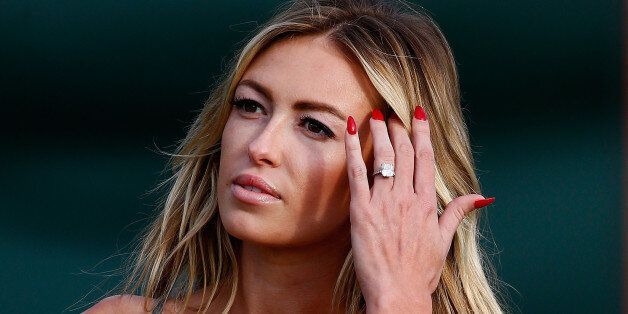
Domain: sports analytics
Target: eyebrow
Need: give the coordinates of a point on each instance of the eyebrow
(299, 105)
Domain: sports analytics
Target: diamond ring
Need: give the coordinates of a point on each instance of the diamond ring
(386, 170)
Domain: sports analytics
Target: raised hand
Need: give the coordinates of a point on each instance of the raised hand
(399, 242)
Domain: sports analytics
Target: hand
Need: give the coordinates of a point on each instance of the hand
(399, 242)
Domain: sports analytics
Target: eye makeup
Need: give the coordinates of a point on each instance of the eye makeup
(315, 127)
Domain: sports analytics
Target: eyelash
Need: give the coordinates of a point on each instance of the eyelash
(239, 103)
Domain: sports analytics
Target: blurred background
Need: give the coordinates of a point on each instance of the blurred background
(90, 89)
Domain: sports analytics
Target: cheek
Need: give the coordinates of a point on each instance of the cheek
(233, 140)
(325, 187)
(230, 148)
(229, 134)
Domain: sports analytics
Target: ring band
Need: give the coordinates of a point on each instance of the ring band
(385, 170)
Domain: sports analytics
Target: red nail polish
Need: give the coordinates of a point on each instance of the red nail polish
(419, 113)
(351, 128)
(377, 115)
(484, 202)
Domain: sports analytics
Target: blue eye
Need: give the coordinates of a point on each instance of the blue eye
(309, 123)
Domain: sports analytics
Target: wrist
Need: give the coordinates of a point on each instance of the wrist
(400, 303)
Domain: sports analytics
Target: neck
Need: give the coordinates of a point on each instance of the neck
(289, 280)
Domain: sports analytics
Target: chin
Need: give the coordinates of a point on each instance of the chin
(276, 225)
(270, 230)
(252, 227)
(263, 224)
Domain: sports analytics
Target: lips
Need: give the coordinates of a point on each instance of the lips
(250, 180)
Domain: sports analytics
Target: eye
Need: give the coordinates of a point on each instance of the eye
(247, 105)
(312, 125)
(319, 129)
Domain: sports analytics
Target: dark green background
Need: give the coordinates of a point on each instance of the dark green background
(88, 89)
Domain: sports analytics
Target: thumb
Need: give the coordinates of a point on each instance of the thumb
(456, 210)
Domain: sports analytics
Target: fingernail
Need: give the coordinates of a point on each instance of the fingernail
(377, 115)
(351, 125)
(419, 113)
(485, 202)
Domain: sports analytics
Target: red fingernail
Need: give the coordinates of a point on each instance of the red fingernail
(377, 115)
(351, 128)
(419, 113)
(484, 202)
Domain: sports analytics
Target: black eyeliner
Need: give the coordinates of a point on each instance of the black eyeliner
(326, 130)
(241, 101)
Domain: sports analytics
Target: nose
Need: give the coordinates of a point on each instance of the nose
(266, 147)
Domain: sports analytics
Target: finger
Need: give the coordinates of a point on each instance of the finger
(382, 149)
(424, 165)
(404, 154)
(358, 180)
(455, 212)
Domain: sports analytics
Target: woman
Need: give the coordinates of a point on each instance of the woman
(275, 206)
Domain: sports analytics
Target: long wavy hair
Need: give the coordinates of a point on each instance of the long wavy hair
(186, 249)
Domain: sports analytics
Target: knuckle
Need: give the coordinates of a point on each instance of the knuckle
(358, 172)
(405, 149)
(406, 204)
(406, 190)
(425, 154)
(427, 207)
(387, 154)
(431, 209)
(425, 190)
(423, 129)
(358, 204)
(458, 212)
(371, 219)
(355, 149)
(364, 217)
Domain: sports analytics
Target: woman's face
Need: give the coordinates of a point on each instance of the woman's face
(280, 131)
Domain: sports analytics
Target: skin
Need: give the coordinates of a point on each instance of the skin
(305, 237)
(267, 139)
(292, 250)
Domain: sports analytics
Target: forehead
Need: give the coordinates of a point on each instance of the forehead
(312, 67)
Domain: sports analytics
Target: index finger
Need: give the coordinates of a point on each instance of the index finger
(358, 178)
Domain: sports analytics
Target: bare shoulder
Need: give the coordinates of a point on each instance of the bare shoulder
(119, 304)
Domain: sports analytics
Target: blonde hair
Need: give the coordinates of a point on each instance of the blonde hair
(409, 62)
